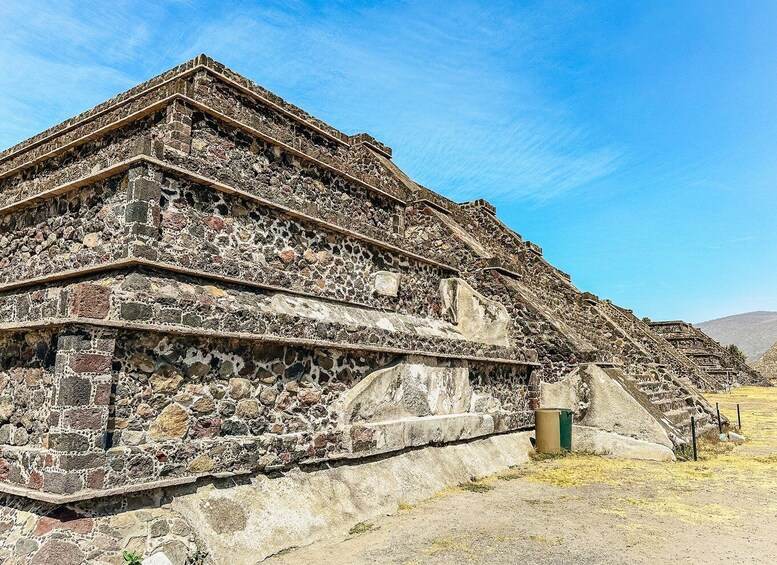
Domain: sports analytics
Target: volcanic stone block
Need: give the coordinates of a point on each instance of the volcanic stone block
(91, 301)
(68, 442)
(83, 461)
(132, 311)
(74, 391)
(84, 418)
(90, 363)
(137, 211)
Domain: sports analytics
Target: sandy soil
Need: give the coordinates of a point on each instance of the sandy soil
(587, 509)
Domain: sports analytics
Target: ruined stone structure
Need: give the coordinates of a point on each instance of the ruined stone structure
(199, 280)
(766, 365)
(723, 369)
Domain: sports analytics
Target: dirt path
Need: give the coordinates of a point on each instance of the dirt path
(583, 509)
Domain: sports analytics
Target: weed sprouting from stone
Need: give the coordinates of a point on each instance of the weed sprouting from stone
(362, 527)
(132, 558)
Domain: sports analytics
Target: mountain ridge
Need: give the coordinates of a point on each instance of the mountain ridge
(753, 332)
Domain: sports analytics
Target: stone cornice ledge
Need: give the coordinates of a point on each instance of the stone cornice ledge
(201, 62)
(122, 166)
(269, 338)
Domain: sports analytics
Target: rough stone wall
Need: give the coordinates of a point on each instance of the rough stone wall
(96, 531)
(75, 230)
(273, 405)
(230, 388)
(248, 260)
(661, 350)
(226, 99)
(26, 376)
(107, 151)
(516, 393)
(71, 455)
(212, 231)
(165, 302)
(229, 155)
(530, 330)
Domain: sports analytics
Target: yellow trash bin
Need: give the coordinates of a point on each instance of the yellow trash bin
(547, 430)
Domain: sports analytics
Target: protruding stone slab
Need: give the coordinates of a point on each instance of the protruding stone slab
(599, 401)
(387, 283)
(477, 317)
(408, 390)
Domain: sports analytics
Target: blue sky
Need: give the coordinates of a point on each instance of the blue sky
(636, 142)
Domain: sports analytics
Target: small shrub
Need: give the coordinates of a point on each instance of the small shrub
(537, 456)
(683, 452)
(475, 487)
(132, 558)
(737, 353)
(362, 527)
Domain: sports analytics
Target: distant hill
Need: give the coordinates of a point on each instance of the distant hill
(752, 332)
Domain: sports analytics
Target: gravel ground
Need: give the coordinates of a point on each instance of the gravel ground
(587, 509)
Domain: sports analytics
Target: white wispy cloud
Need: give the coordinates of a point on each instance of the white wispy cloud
(457, 89)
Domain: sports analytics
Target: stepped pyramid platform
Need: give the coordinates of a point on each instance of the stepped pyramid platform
(200, 282)
(723, 369)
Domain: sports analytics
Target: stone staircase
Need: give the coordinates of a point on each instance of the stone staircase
(673, 400)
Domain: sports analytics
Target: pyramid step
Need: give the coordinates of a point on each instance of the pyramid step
(649, 385)
(679, 416)
(673, 403)
(660, 394)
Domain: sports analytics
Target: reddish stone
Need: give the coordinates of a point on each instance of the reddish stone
(155, 216)
(95, 479)
(287, 255)
(84, 418)
(36, 480)
(309, 397)
(362, 438)
(102, 394)
(63, 519)
(90, 363)
(91, 301)
(214, 222)
(4, 469)
(320, 441)
(205, 427)
(174, 220)
(59, 552)
(218, 152)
